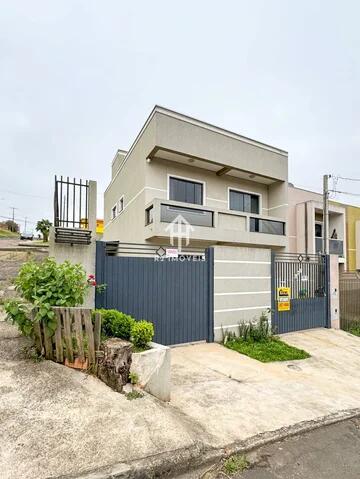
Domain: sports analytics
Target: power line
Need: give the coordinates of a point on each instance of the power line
(25, 194)
(345, 193)
(347, 179)
(17, 219)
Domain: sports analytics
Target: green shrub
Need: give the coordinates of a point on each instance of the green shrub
(48, 284)
(20, 315)
(142, 333)
(116, 324)
(252, 332)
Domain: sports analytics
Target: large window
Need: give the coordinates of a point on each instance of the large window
(186, 191)
(241, 201)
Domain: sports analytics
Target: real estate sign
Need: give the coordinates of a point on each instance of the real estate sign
(283, 298)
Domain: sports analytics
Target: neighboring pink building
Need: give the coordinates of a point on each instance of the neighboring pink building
(305, 224)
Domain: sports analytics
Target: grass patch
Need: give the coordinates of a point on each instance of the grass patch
(8, 234)
(235, 464)
(355, 330)
(272, 349)
(133, 395)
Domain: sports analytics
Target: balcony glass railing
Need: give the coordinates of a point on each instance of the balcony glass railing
(196, 217)
(258, 225)
(335, 246)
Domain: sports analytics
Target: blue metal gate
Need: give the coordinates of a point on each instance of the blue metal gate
(176, 296)
(308, 279)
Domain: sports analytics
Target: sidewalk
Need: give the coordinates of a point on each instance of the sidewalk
(57, 422)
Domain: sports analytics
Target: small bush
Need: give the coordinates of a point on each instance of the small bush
(142, 333)
(116, 324)
(252, 332)
(45, 285)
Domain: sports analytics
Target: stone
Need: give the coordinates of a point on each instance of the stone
(114, 367)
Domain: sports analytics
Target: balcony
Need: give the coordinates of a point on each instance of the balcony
(335, 246)
(213, 225)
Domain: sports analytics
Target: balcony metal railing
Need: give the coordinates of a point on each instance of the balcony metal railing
(335, 246)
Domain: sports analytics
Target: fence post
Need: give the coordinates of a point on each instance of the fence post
(100, 298)
(332, 282)
(209, 255)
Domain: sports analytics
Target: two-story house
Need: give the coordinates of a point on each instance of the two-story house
(231, 189)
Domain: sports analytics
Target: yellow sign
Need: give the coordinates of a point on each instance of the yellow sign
(283, 299)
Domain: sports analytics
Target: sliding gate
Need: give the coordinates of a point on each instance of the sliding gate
(307, 277)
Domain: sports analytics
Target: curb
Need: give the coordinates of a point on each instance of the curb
(182, 460)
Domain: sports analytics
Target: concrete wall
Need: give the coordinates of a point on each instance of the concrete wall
(129, 182)
(183, 134)
(353, 237)
(153, 368)
(242, 286)
(82, 254)
(334, 292)
(117, 162)
(216, 188)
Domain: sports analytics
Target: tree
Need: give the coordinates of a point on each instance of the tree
(44, 227)
(12, 226)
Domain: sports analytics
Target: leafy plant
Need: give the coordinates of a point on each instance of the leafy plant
(48, 284)
(116, 324)
(19, 314)
(44, 227)
(252, 331)
(142, 333)
(134, 378)
(134, 395)
(236, 463)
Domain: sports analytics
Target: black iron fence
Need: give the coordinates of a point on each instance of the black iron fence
(71, 203)
(308, 279)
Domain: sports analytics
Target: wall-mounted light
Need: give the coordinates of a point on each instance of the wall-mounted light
(191, 160)
(251, 176)
(148, 160)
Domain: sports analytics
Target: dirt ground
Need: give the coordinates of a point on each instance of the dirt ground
(12, 257)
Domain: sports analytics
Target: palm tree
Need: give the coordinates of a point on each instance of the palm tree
(44, 227)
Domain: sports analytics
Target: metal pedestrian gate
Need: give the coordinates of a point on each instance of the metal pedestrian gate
(175, 295)
(300, 285)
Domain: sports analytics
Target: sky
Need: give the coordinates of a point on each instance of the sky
(78, 79)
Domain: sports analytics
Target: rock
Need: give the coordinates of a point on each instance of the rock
(2, 294)
(11, 288)
(127, 388)
(114, 367)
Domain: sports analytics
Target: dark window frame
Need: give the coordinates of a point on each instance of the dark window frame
(247, 197)
(184, 181)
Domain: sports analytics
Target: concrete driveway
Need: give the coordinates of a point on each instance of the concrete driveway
(57, 422)
(233, 398)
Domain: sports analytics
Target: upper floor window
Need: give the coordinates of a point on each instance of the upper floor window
(121, 204)
(113, 212)
(186, 191)
(242, 201)
(318, 230)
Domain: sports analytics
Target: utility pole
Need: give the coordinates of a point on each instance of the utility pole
(25, 224)
(326, 214)
(13, 212)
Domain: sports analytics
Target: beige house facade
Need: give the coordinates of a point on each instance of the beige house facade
(232, 190)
